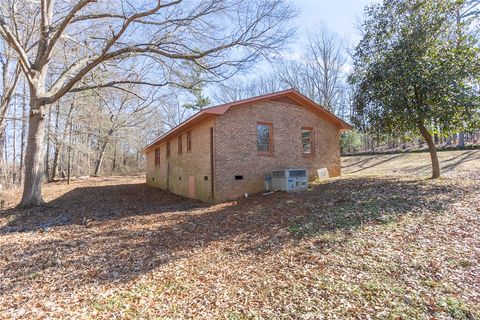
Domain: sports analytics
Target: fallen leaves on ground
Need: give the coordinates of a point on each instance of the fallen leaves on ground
(358, 247)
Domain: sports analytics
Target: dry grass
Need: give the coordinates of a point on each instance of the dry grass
(358, 247)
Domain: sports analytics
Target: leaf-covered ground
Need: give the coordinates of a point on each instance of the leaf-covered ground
(454, 164)
(358, 247)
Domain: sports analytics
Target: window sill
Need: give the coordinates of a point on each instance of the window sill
(265, 154)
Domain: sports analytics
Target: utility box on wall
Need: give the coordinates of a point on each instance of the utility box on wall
(290, 180)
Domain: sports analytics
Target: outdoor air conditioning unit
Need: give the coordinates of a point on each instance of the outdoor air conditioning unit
(290, 180)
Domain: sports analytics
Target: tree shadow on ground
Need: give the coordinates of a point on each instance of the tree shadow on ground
(84, 205)
(450, 165)
(122, 240)
(363, 163)
(455, 161)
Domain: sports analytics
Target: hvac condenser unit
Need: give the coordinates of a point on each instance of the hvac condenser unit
(290, 180)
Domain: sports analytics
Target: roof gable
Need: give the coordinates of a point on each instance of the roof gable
(289, 96)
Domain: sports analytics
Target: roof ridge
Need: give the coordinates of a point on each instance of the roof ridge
(222, 108)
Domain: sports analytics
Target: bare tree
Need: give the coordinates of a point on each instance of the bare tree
(9, 79)
(320, 72)
(172, 109)
(93, 34)
(327, 59)
(59, 139)
(123, 111)
(231, 90)
(298, 74)
(11, 74)
(23, 131)
(14, 142)
(238, 88)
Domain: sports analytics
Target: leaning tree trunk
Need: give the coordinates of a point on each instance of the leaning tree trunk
(433, 150)
(59, 145)
(114, 162)
(98, 163)
(101, 155)
(32, 188)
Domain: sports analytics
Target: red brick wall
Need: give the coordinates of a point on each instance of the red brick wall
(235, 136)
(195, 163)
(236, 146)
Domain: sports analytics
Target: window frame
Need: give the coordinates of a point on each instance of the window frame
(189, 141)
(312, 142)
(271, 148)
(157, 154)
(180, 145)
(167, 153)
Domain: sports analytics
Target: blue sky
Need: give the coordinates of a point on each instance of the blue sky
(337, 15)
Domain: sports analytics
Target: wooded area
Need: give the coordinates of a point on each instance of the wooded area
(64, 48)
(86, 134)
(85, 85)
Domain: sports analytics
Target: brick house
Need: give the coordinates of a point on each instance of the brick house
(225, 151)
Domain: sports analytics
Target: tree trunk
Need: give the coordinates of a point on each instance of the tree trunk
(24, 127)
(14, 144)
(69, 163)
(114, 162)
(433, 150)
(365, 142)
(102, 151)
(72, 151)
(59, 144)
(32, 187)
(461, 139)
(3, 162)
(138, 160)
(3, 137)
(99, 161)
(89, 169)
(56, 154)
(47, 156)
(56, 151)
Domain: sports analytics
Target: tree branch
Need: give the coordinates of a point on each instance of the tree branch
(63, 25)
(13, 41)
